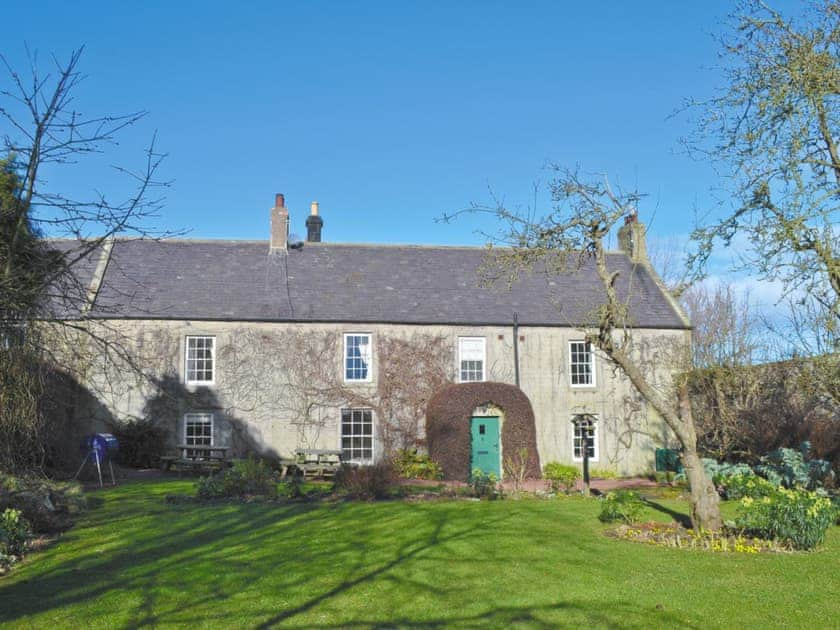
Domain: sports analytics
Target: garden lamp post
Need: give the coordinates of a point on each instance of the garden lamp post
(584, 422)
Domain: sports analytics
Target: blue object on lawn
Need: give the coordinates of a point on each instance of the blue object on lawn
(99, 448)
(104, 444)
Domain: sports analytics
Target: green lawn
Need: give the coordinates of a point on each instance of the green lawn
(133, 560)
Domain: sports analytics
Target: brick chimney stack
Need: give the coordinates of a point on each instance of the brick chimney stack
(631, 238)
(314, 223)
(279, 224)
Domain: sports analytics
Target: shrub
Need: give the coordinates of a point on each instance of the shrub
(14, 531)
(256, 476)
(621, 505)
(142, 442)
(47, 505)
(516, 468)
(484, 485)
(561, 476)
(413, 465)
(248, 477)
(366, 483)
(291, 487)
(796, 517)
(739, 486)
(717, 471)
(787, 467)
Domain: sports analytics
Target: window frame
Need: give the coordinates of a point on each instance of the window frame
(342, 436)
(369, 376)
(593, 421)
(209, 415)
(187, 380)
(591, 365)
(483, 341)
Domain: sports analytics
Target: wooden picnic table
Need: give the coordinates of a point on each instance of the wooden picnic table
(199, 451)
(312, 462)
(197, 457)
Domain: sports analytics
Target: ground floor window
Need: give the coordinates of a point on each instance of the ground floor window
(198, 429)
(357, 435)
(585, 426)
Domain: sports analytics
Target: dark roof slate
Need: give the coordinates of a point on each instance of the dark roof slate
(67, 295)
(242, 280)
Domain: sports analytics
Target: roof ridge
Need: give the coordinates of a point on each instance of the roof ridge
(330, 244)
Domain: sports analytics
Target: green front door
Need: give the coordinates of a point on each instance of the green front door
(485, 445)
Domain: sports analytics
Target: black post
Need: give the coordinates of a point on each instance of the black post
(584, 444)
(516, 347)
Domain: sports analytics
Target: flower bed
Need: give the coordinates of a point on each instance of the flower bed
(677, 537)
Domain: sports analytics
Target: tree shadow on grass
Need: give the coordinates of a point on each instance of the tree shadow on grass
(136, 561)
(683, 519)
(560, 614)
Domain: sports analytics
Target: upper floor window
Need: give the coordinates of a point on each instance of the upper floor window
(581, 364)
(357, 357)
(201, 360)
(471, 359)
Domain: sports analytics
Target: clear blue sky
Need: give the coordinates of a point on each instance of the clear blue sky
(387, 113)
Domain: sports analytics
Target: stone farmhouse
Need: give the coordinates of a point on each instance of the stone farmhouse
(275, 345)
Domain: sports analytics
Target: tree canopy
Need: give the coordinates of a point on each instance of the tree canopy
(774, 134)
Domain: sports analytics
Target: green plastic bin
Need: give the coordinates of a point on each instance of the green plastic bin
(668, 460)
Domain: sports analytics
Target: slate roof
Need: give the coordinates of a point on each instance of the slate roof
(327, 282)
(68, 294)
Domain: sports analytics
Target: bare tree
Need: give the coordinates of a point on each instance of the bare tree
(773, 133)
(572, 234)
(726, 331)
(667, 257)
(45, 285)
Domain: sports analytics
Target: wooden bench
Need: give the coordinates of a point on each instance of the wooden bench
(312, 463)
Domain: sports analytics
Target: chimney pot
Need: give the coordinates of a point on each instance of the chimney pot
(314, 223)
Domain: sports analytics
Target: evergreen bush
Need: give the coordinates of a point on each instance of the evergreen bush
(788, 467)
(561, 476)
(413, 465)
(142, 442)
(14, 532)
(621, 505)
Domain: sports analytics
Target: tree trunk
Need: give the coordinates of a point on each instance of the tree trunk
(705, 508)
(705, 502)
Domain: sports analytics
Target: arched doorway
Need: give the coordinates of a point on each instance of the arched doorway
(480, 425)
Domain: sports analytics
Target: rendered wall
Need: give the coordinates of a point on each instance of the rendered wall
(628, 431)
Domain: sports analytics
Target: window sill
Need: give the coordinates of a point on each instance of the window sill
(193, 385)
